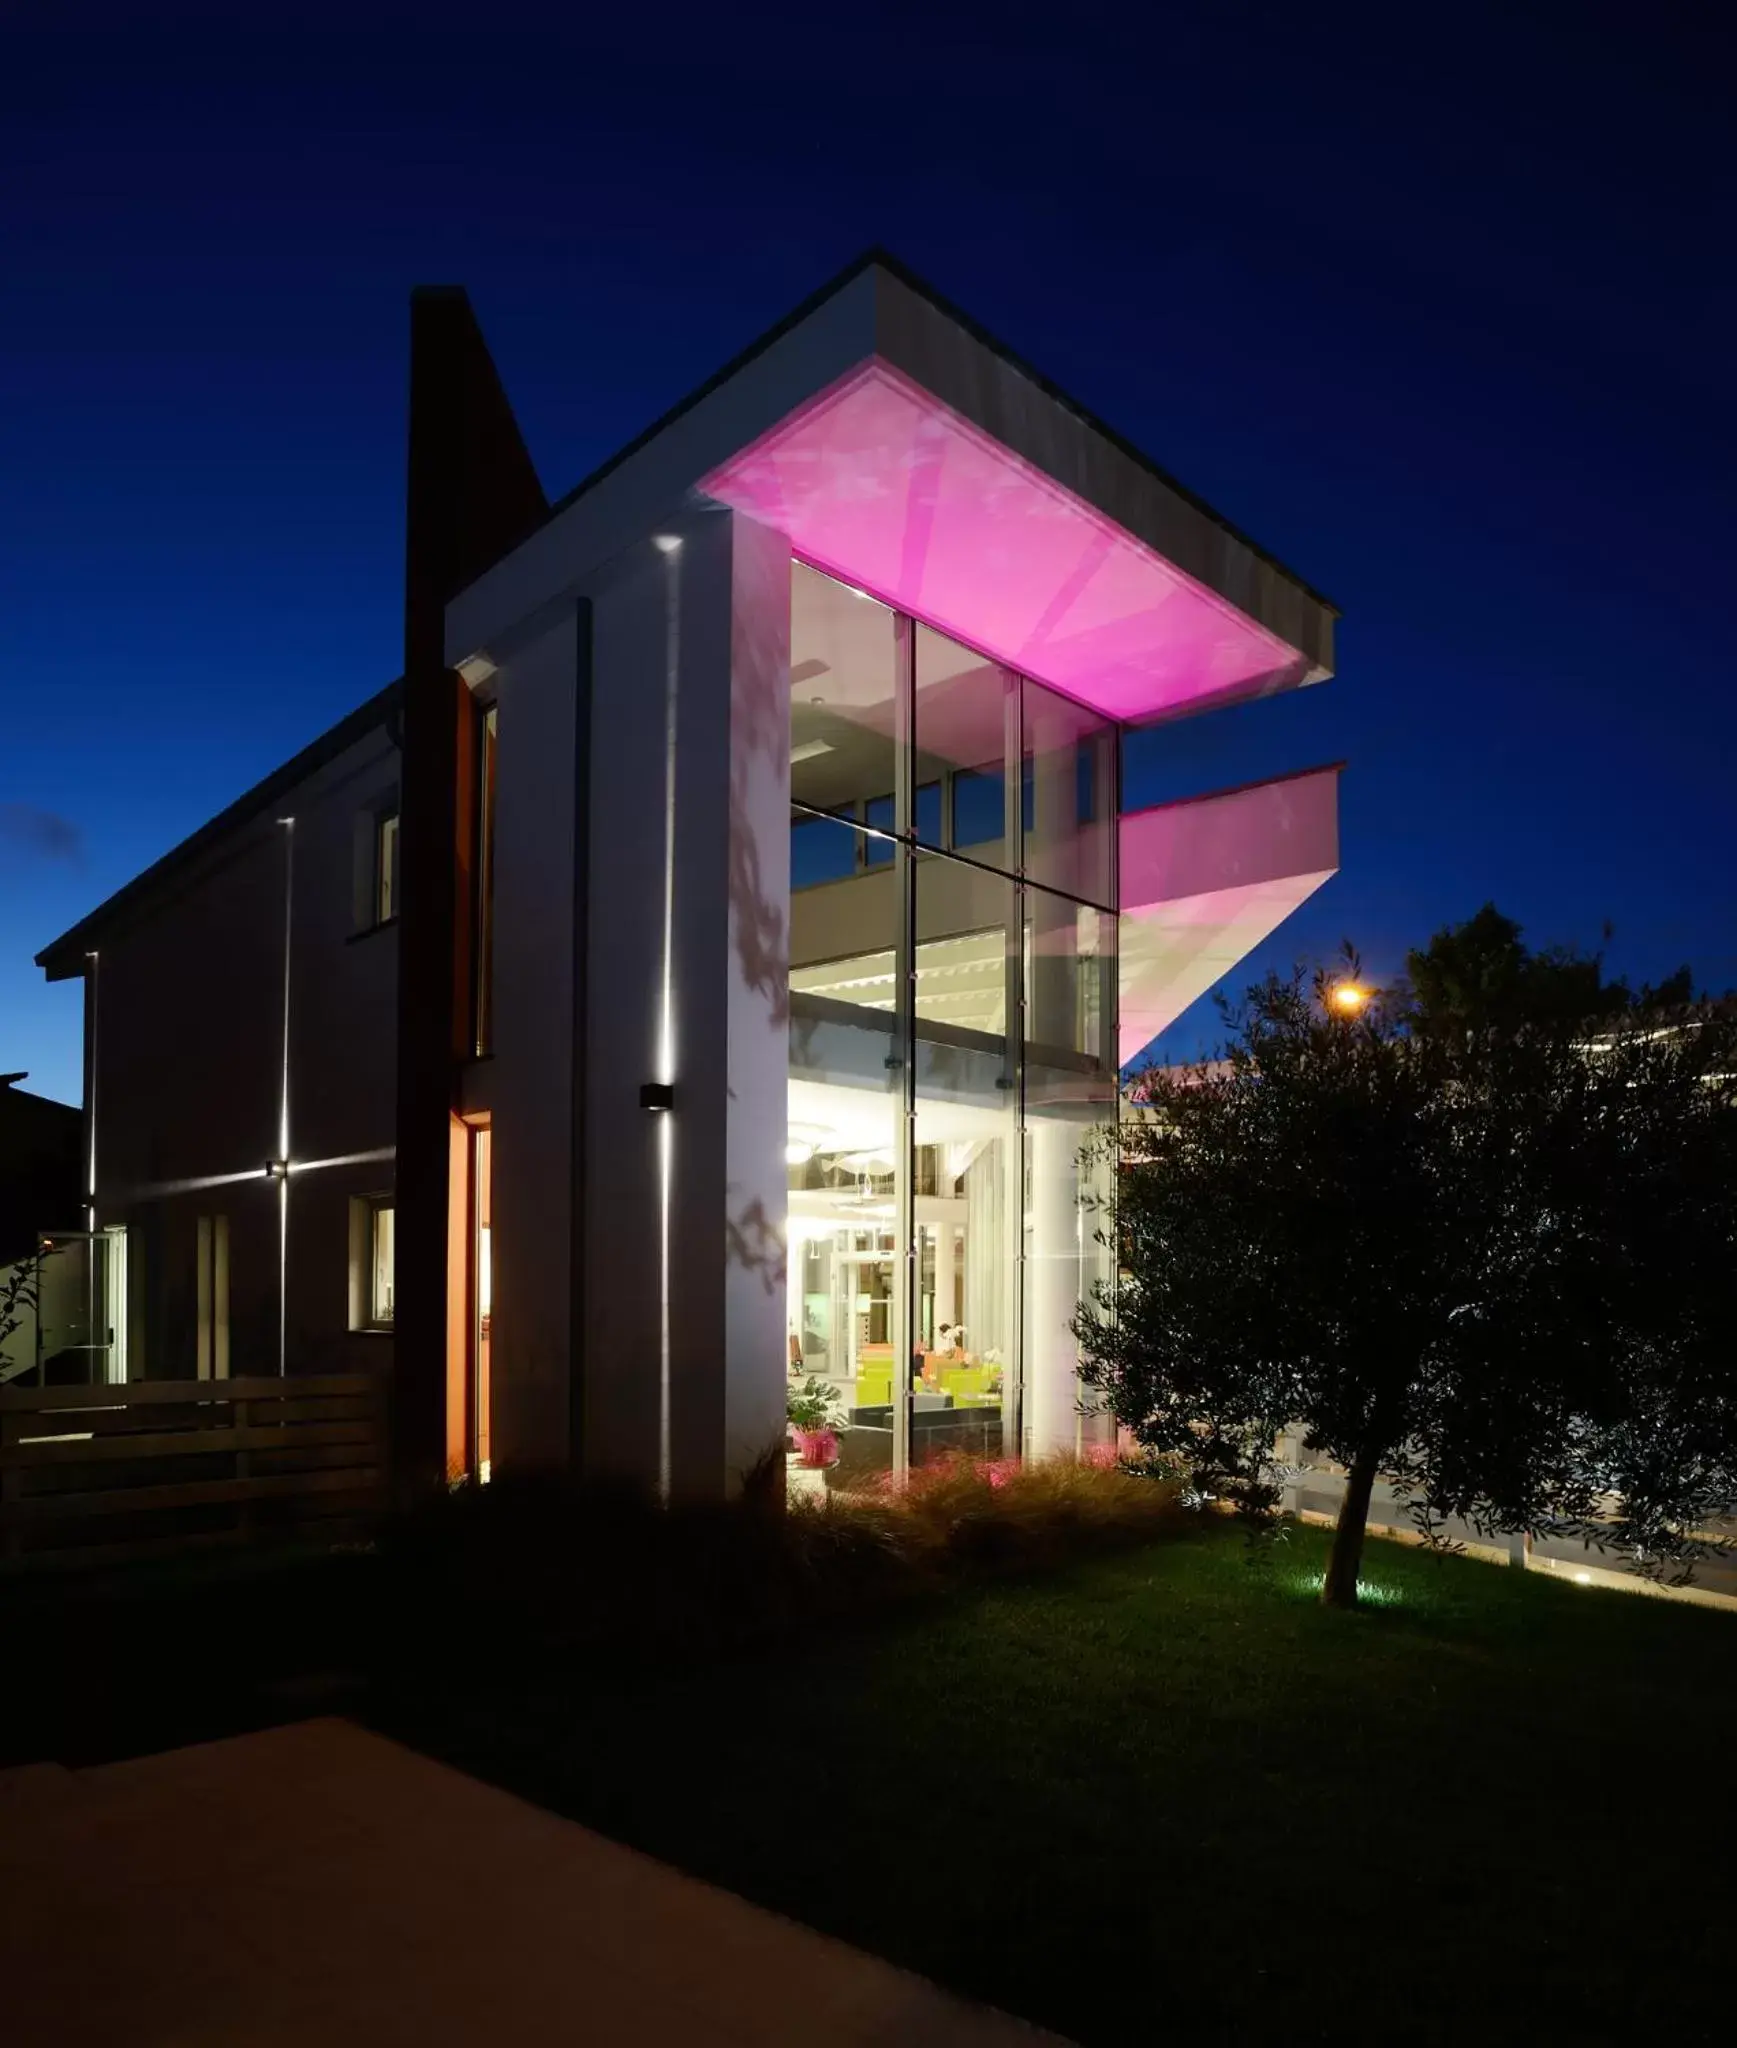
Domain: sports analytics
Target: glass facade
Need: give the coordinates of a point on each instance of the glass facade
(952, 1035)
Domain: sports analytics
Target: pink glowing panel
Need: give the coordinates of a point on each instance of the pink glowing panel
(1204, 883)
(882, 485)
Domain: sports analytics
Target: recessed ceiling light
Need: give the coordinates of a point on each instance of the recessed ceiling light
(810, 749)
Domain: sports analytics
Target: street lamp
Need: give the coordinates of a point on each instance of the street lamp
(1347, 997)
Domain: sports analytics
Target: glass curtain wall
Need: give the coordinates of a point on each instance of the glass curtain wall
(952, 1034)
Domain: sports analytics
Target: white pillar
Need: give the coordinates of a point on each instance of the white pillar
(686, 1292)
(1053, 1282)
(755, 1007)
(946, 1252)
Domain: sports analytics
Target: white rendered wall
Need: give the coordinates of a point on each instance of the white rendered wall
(1052, 1288)
(529, 1080)
(687, 841)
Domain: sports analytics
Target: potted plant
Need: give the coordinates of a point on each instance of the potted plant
(816, 1412)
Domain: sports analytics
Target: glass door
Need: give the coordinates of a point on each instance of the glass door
(79, 1308)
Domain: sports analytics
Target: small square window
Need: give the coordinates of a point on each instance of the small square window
(380, 1262)
(386, 868)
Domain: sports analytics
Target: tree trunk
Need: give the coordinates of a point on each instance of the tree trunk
(1339, 1587)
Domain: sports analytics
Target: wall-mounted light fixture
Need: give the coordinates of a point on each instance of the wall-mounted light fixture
(657, 1095)
(277, 1169)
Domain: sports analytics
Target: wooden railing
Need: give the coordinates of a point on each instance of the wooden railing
(97, 1474)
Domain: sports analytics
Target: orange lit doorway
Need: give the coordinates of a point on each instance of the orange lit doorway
(482, 1297)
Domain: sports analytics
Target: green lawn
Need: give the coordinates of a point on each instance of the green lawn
(1166, 1796)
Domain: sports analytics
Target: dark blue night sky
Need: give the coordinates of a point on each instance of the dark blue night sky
(1447, 326)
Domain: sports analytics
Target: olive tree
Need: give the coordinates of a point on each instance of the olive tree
(1490, 1260)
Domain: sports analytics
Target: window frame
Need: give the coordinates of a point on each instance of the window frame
(386, 867)
(376, 1206)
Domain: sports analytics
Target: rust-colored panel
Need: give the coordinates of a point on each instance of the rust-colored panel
(472, 496)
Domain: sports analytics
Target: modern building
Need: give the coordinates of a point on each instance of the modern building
(705, 963)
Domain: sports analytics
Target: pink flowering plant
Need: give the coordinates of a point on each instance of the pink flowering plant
(815, 1410)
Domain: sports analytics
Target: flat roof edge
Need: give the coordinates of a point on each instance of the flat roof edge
(720, 377)
(1208, 796)
(884, 269)
(1057, 395)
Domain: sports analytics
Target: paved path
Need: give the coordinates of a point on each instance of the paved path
(319, 1884)
(1714, 1585)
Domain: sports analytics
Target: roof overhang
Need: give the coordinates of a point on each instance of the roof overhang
(1205, 881)
(885, 486)
(900, 448)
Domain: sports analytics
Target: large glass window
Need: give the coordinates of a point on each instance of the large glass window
(1068, 795)
(843, 1136)
(952, 1036)
(964, 1166)
(960, 734)
(961, 952)
(1068, 1182)
(1070, 965)
(843, 690)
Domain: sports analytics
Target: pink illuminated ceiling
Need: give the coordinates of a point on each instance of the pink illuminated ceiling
(881, 484)
(1204, 882)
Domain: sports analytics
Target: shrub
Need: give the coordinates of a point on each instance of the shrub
(541, 1564)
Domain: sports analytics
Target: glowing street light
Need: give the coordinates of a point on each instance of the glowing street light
(1347, 997)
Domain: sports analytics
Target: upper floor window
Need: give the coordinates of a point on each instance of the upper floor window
(386, 868)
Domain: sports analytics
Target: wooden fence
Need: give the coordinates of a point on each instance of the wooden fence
(97, 1474)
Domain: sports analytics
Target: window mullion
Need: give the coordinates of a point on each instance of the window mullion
(905, 1042)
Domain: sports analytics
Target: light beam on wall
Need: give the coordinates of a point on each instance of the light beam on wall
(283, 1114)
(669, 546)
(90, 1201)
(379, 1156)
(150, 1191)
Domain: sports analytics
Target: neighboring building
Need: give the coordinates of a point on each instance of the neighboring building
(706, 961)
(41, 1192)
(41, 1185)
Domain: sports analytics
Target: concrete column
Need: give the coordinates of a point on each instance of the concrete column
(946, 1240)
(684, 1273)
(1053, 1282)
(531, 1075)
(757, 1004)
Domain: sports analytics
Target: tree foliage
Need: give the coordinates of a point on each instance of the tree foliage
(1478, 1237)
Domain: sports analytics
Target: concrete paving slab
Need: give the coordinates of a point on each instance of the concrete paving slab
(317, 1883)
